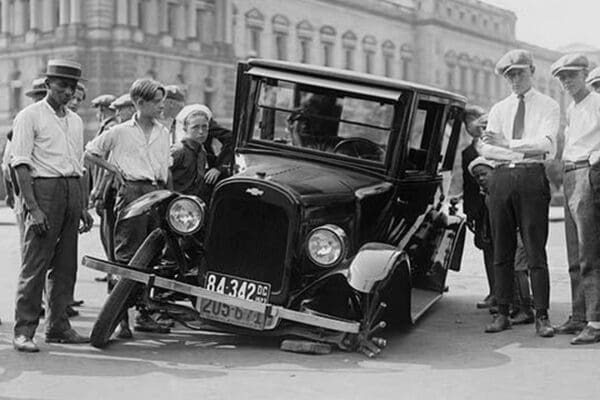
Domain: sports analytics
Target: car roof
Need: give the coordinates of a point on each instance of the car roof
(355, 77)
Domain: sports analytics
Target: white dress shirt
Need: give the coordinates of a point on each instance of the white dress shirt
(50, 145)
(582, 135)
(136, 157)
(542, 119)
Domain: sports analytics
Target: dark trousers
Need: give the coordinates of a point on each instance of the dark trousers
(49, 259)
(107, 225)
(488, 260)
(519, 199)
(131, 233)
(583, 245)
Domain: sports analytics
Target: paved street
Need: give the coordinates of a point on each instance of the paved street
(445, 356)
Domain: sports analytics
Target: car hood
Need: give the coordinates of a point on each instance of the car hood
(307, 180)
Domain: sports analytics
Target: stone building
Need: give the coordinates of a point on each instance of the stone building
(183, 42)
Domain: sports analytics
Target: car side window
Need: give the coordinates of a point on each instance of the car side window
(423, 133)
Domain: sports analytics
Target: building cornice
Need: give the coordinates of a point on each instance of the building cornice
(460, 29)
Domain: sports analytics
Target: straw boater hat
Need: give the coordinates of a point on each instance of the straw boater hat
(38, 86)
(64, 69)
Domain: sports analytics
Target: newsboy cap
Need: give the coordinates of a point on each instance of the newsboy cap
(570, 62)
(594, 76)
(121, 101)
(64, 69)
(103, 100)
(518, 58)
(174, 92)
(38, 86)
(479, 161)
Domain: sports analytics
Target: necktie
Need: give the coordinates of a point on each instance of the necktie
(519, 123)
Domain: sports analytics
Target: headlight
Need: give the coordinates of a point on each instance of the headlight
(186, 214)
(327, 245)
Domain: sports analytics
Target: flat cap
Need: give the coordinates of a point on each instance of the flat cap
(174, 92)
(570, 62)
(594, 76)
(482, 121)
(121, 101)
(103, 100)
(480, 161)
(518, 58)
(38, 86)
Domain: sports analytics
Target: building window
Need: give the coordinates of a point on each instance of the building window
(463, 78)
(327, 54)
(487, 77)
(406, 69)
(462, 15)
(171, 18)
(199, 24)
(349, 58)
(255, 42)
(281, 47)
(449, 12)
(305, 51)
(388, 63)
(369, 62)
(26, 16)
(450, 76)
(474, 19)
(475, 79)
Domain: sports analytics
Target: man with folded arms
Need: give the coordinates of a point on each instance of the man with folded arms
(581, 183)
(520, 133)
(47, 155)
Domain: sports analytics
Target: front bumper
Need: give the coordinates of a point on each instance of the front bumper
(273, 313)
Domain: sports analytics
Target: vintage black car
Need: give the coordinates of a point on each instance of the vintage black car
(333, 223)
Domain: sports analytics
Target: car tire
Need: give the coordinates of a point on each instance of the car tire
(124, 293)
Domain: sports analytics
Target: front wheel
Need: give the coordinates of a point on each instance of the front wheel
(124, 293)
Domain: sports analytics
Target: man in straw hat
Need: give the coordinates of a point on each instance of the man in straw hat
(581, 184)
(48, 160)
(521, 132)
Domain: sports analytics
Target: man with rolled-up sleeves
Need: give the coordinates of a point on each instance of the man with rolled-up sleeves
(47, 155)
(581, 185)
(521, 132)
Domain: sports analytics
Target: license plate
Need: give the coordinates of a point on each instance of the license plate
(235, 287)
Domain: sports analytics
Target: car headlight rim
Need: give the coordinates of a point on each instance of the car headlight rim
(341, 240)
(196, 213)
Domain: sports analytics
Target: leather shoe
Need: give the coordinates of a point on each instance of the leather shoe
(501, 323)
(488, 302)
(570, 327)
(124, 332)
(66, 336)
(24, 344)
(588, 335)
(543, 327)
(522, 317)
(145, 323)
(71, 312)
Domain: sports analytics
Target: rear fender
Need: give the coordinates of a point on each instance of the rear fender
(146, 203)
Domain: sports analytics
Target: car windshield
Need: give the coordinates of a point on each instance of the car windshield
(321, 120)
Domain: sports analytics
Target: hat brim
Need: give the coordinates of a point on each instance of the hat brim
(75, 78)
(515, 66)
(593, 80)
(567, 68)
(33, 92)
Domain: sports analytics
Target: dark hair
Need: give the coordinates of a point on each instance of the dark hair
(145, 89)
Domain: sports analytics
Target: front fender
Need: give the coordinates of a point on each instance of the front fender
(147, 202)
(374, 263)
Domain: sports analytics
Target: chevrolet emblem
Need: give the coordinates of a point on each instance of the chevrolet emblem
(255, 192)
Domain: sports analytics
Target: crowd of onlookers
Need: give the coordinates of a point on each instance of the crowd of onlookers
(506, 195)
(148, 139)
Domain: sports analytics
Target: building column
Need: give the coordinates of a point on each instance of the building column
(152, 17)
(208, 34)
(122, 12)
(76, 11)
(220, 20)
(5, 9)
(19, 18)
(180, 28)
(48, 23)
(133, 13)
(191, 20)
(33, 15)
(63, 12)
(163, 17)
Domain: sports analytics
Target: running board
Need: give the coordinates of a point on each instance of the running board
(421, 300)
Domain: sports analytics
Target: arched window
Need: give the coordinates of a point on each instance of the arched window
(369, 47)
(255, 22)
(388, 48)
(281, 28)
(349, 44)
(327, 42)
(305, 32)
(406, 56)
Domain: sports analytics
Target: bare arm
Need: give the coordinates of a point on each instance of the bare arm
(40, 221)
(102, 163)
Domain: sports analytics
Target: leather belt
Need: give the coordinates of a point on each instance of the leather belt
(573, 165)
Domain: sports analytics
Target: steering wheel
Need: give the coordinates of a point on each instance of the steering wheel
(362, 148)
